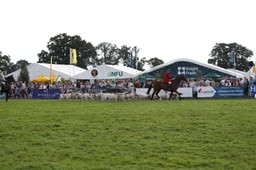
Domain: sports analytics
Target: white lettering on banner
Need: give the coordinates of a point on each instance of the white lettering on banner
(205, 91)
(230, 91)
(187, 70)
(115, 74)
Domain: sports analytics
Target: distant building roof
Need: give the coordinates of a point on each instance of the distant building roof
(190, 68)
(65, 71)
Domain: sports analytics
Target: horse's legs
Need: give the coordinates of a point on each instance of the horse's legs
(153, 94)
(158, 90)
(170, 95)
(149, 88)
(179, 94)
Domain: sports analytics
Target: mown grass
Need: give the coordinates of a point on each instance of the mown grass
(188, 134)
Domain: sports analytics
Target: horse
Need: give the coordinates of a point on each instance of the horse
(158, 85)
(6, 86)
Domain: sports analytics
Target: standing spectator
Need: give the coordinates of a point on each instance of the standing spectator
(120, 87)
(251, 81)
(241, 82)
(143, 83)
(192, 82)
(212, 83)
(112, 87)
(207, 82)
(23, 91)
(78, 84)
(130, 86)
(137, 84)
(246, 87)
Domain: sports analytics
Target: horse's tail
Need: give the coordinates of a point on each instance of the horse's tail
(149, 88)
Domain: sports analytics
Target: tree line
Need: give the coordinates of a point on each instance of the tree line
(225, 55)
(231, 55)
(58, 48)
(89, 55)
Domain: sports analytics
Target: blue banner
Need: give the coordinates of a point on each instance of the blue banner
(252, 89)
(46, 93)
(229, 91)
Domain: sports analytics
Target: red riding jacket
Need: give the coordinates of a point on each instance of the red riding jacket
(167, 77)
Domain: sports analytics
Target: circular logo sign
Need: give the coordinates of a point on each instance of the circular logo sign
(94, 73)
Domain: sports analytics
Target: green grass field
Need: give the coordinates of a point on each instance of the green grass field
(188, 134)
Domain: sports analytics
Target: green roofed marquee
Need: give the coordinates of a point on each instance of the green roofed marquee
(190, 69)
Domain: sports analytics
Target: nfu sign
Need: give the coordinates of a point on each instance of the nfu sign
(191, 71)
(116, 74)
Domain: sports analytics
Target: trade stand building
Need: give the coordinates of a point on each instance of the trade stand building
(191, 69)
(105, 71)
(66, 72)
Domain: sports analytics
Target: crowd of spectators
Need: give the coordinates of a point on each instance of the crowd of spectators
(225, 81)
(24, 90)
(21, 89)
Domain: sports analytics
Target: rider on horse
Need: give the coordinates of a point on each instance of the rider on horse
(167, 78)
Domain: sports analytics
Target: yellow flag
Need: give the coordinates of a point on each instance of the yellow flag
(254, 69)
(73, 56)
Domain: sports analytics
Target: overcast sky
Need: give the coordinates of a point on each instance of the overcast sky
(166, 29)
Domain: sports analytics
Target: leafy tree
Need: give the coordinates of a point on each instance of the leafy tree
(24, 75)
(59, 49)
(14, 67)
(131, 58)
(124, 54)
(230, 55)
(108, 53)
(43, 57)
(134, 60)
(5, 63)
(19, 64)
(141, 63)
(87, 54)
(152, 62)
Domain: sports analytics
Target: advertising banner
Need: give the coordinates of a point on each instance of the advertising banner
(205, 91)
(46, 93)
(252, 89)
(229, 91)
(221, 91)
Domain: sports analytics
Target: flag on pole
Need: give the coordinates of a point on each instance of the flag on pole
(254, 69)
(73, 56)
